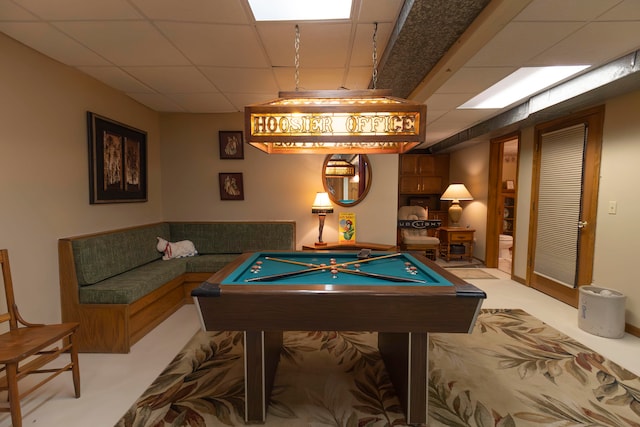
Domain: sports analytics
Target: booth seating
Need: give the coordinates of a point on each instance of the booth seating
(118, 287)
(413, 227)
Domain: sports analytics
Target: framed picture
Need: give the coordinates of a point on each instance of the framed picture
(231, 186)
(117, 161)
(231, 144)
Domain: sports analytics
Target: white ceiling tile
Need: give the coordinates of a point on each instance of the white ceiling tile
(126, 43)
(173, 79)
(519, 42)
(321, 45)
(565, 10)
(364, 37)
(247, 80)
(216, 44)
(117, 79)
(81, 9)
(625, 11)
(241, 100)
(448, 101)
(9, 11)
(220, 11)
(379, 10)
(157, 102)
(48, 40)
(359, 78)
(594, 44)
(203, 102)
(470, 80)
(310, 79)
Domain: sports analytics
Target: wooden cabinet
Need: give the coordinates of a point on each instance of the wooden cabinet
(423, 173)
(508, 212)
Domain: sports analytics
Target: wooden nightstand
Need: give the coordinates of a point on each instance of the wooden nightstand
(456, 236)
(332, 246)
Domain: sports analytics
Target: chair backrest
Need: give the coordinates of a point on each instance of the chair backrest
(10, 315)
(413, 212)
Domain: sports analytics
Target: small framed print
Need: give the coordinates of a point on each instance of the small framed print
(231, 144)
(231, 186)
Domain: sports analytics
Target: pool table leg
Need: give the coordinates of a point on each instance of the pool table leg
(405, 357)
(261, 356)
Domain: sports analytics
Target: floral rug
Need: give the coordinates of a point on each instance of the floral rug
(513, 370)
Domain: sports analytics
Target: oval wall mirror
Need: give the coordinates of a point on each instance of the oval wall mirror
(347, 178)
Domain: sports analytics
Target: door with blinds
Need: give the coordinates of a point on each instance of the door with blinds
(566, 176)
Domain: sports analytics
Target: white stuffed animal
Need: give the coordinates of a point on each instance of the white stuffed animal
(179, 249)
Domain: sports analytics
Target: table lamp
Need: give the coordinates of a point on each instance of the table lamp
(455, 193)
(321, 206)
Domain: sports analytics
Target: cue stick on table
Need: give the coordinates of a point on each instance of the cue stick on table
(360, 261)
(309, 270)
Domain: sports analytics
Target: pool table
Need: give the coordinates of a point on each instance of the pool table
(402, 296)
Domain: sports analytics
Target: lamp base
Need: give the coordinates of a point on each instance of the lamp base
(455, 212)
(320, 244)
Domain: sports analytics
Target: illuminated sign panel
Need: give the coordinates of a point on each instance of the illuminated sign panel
(370, 123)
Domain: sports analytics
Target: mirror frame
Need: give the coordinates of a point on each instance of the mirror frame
(363, 158)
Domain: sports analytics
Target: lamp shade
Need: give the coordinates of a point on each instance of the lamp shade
(322, 204)
(456, 192)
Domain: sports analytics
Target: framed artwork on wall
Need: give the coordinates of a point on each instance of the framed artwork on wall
(231, 144)
(231, 186)
(117, 161)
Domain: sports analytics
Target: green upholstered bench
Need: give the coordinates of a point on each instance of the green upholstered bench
(116, 285)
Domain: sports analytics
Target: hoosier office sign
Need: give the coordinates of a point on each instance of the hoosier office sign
(326, 124)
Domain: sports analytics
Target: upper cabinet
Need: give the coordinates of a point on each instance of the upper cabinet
(423, 173)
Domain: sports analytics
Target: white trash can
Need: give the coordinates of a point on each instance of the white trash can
(601, 311)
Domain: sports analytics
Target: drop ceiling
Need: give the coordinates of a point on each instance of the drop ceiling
(211, 56)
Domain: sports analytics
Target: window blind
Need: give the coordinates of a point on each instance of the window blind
(559, 204)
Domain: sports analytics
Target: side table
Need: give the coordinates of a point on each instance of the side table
(355, 246)
(456, 236)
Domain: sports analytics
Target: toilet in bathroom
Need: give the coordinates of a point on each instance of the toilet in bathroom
(505, 245)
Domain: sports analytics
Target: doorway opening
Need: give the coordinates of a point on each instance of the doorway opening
(501, 205)
(507, 212)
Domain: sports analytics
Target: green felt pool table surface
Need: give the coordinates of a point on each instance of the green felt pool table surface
(300, 268)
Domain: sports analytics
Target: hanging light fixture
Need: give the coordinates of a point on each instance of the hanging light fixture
(339, 168)
(336, 121)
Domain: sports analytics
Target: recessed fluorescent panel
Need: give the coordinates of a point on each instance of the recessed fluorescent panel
(520, 84)
(300, 10)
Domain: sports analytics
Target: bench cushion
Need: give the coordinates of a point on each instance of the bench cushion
(236, 237)
(100, 257)
(128, 287)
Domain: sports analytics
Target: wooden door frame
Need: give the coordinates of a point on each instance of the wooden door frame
(493, 197)
(594, 119)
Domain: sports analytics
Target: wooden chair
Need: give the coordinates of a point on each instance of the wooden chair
(27, 347)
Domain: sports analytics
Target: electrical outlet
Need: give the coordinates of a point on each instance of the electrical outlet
(613, 207)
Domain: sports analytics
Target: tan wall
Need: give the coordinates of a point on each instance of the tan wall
(276, 187)
(620, 175)
(44, 188)
(615, 251)
(44, 174)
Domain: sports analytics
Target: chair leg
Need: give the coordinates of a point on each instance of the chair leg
(14, 394)
(75, 369)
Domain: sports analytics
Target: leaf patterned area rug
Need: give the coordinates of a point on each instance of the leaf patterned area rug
(513, 370)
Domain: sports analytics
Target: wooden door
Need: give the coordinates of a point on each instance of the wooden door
(574, 227)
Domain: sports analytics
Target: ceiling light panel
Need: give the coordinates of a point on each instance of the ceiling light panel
(300, 10)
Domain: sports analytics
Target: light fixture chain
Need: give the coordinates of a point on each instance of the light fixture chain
(375, 56)
(297, 58)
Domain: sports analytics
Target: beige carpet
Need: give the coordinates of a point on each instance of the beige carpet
(471, 273)
(513, 370)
